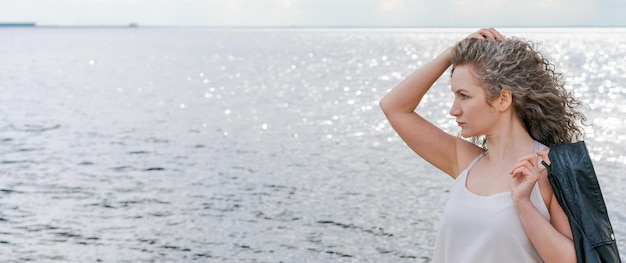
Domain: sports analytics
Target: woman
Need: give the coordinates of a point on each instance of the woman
(509, 100)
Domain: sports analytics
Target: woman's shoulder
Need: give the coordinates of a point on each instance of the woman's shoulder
(466, 153)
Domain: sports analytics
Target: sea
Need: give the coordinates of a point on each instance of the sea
(248, 144)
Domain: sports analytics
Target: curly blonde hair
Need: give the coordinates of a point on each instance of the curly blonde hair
(540, 100)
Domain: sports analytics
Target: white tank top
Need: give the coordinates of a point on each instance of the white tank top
(484, 229)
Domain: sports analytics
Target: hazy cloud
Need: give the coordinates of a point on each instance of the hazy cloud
(319, 12)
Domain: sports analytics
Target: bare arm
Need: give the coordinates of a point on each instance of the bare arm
(427, 140)
(443, 150)
(552, 244)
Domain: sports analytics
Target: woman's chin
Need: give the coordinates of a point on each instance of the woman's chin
(466, 134)
(463, 134)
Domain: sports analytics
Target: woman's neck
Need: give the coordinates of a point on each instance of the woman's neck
(510, 143)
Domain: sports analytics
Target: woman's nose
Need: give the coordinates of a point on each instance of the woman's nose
(454, 110)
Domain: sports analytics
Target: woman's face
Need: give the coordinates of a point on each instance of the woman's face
(474, 114)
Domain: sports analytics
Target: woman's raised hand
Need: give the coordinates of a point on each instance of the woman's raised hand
(487, 34)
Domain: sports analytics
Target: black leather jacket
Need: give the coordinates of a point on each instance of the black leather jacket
(576, 188)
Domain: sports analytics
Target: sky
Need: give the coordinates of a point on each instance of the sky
(317, 13)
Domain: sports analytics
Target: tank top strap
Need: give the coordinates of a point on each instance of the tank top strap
(536, 196)
(463, 174)
(475, 161)
(538, 147)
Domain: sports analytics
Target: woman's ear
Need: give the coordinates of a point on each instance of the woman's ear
(505, 100)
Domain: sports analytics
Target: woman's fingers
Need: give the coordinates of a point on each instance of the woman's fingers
(544, 156)
(528, 161)
(495, 34)
(521, 172)
(518, 165)
(487, 34)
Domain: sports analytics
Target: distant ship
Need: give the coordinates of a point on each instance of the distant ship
(18, 24)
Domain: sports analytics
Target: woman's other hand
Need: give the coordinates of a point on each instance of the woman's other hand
(525, 174)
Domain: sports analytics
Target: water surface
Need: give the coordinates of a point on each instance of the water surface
(264, 145)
